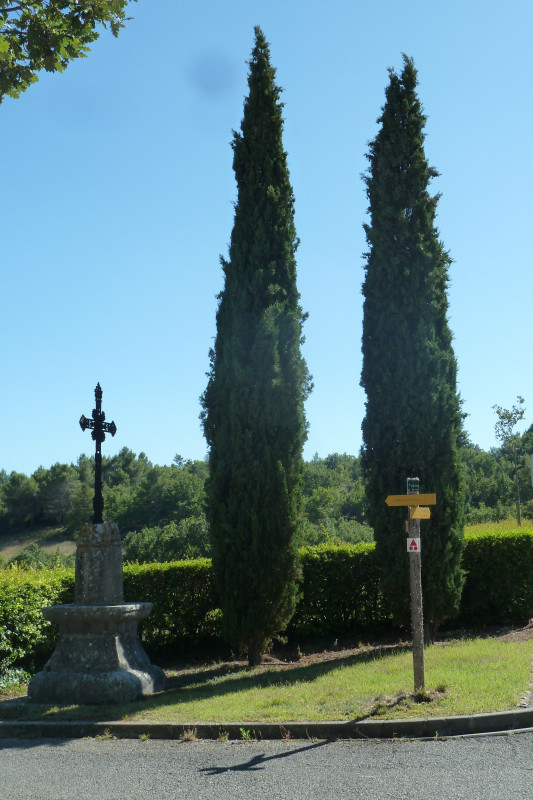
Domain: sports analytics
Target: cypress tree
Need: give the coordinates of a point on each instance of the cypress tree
(253, 406)
(413, 421)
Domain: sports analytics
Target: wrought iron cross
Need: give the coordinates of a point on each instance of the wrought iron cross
(99, 429)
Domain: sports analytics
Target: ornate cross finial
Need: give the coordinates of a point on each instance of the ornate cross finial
(99, 429)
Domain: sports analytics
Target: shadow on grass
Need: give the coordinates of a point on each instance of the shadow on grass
(201, 684)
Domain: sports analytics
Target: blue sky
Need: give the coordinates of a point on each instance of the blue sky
(118, 186)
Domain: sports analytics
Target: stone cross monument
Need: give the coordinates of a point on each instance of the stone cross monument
(99, 657)
(99, 429)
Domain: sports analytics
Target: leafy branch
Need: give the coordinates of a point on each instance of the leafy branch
(49, 34)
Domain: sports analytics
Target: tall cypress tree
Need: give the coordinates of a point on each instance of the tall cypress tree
(413, 421)
(253, 406)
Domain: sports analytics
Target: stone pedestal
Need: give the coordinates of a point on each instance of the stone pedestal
(99, 565)
(99, 657)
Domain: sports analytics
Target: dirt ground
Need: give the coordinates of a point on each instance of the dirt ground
(313, 654)
(322, 651)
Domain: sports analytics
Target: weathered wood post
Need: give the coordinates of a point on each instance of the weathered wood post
(415, 578)
(416, 504)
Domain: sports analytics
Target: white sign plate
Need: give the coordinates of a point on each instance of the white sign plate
(413, 545)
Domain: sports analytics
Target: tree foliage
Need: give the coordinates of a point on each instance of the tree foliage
(253, 406)
(487, 478)
(34, 557)
(20, 500)
(166, 494)
(177, 541)
(183, 530)
(49, 34)
(142, 497)
(62, 494)
(510, 440)
(413, 422)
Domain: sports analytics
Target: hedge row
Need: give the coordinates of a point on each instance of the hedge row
(339, 595)
(499, 578)
(183, 597)
(339, 592)
(24, 633)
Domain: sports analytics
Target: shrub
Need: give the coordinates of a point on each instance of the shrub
(34, 557)
(475, 516)
(24, 633)
(339, 593)
(334, 532)
(184, 605)
(499, 577)
(176, 541)
(349, 531)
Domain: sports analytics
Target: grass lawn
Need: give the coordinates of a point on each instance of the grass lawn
(462, 677)
(497, 527)
(49, 539)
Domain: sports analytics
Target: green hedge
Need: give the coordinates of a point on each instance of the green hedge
(499, 578)
(184, 604)
(24, 633)
(339, 596)
(339, 593)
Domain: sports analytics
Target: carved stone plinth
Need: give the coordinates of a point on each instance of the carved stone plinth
(99, 657)
(99, 565)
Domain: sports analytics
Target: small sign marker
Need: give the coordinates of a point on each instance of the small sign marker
(419, 512)
(411, 499)
(413, 545)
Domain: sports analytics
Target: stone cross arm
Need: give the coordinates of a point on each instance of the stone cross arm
(99, 428)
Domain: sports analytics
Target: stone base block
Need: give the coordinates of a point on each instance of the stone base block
(99, 579)
(98, 659)
(67, 688)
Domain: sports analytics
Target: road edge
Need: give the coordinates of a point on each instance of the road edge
(500, 722)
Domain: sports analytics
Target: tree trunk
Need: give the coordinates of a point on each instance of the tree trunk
(430, 631)
(255, 652)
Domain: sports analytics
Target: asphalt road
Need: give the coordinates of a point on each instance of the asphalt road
(484, 768)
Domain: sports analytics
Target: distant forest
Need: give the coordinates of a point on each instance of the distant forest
(160, 510)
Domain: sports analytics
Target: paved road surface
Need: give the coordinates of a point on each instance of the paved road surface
(485, 768)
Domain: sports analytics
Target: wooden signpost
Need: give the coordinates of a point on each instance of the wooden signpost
(417, 504)
(407, 499)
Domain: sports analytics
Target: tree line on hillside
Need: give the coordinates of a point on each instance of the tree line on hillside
(155, 504)
(161, 509)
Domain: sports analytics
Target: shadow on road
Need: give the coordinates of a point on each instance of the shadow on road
(257, 762)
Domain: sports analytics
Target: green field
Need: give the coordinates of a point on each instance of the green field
(504, 525)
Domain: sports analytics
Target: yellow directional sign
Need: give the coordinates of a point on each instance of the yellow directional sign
(419, 512)
(411, 500)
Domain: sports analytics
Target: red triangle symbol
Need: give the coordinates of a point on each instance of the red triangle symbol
(413, 546)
